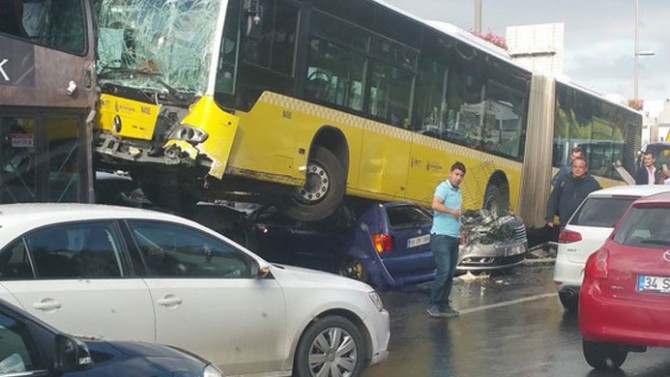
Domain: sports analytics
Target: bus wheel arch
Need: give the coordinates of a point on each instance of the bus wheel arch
(496, 196)
(325, 178)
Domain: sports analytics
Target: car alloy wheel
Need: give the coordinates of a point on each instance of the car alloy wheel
(354, 269)
(331, 346)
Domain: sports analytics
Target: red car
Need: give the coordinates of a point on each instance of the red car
(624, 303)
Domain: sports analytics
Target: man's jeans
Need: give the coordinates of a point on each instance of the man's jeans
(445, 249)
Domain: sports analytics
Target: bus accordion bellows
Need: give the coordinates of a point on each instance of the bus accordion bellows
(47, 100)
(299, 103)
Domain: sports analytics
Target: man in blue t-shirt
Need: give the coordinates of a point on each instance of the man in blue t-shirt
(445, 237)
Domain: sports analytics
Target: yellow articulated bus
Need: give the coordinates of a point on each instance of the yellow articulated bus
(299, 103)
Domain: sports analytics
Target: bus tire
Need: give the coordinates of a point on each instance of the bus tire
(323, 192)
(168, 196)
(496, 201)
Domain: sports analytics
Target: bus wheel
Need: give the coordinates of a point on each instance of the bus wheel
(495, 201)
(325, 184)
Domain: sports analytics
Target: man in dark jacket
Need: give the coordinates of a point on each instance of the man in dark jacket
(569, 192)
(648, 174)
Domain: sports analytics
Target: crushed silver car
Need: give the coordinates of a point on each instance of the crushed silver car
(492, 243)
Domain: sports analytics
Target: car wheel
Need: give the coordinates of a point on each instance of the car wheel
(569, 301)
(601, 355)
(353, 268)
(331, 346)
(166, 193)
(496, 200)
(325, 184)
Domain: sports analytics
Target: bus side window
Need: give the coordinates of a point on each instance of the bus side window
(11, 18)
(272, 44)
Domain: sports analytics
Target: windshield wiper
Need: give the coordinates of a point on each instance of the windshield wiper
(176, 94)
(109, 71)
(656, 242)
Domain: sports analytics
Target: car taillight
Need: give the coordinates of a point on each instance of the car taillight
(382, 241)
(596, 265)
(569, 236)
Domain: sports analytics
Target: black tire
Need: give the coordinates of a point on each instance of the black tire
(169, 196)
(569, 302)
(346, 349)
(325, 185)
(352, 268)
(496, 201)
(601, 355)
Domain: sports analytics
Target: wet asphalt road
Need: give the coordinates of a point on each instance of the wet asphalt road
(509, 325)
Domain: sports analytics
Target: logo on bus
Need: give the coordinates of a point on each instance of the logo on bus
(17, 63)
(3, 73)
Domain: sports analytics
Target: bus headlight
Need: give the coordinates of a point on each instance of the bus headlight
(189, 133)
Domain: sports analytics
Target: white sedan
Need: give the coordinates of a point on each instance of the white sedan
(132, 274)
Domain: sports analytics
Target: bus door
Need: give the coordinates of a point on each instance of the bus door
(46, 53)
(47, 93)
(42, 157)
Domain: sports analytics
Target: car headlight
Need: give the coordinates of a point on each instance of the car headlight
(377, 300)
(189, 133)
(212, 371)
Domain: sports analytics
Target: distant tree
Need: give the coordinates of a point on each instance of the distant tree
(636, 104)
(491, 37)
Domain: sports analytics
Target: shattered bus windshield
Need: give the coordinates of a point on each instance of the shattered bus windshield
(156, 43)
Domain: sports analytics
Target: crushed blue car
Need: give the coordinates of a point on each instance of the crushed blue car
(384, 244)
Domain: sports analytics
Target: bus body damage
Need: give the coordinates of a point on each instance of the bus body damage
(132, 131)
(155, 62)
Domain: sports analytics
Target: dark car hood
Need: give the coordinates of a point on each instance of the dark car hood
(134, 349)
(115, 358)
(138, 349)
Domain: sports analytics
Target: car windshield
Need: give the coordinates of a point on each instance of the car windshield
(156, 44)
(601, 212)
(645, 227)
(401, 217)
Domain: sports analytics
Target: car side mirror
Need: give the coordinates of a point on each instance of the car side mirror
(71, 355)
(260, 270)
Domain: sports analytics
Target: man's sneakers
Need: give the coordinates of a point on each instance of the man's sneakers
(436, 312)
(449, 312)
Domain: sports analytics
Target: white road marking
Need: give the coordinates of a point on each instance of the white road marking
(508, 303)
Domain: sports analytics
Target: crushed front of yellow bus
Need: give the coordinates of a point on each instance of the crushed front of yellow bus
(138, 132)
(126, 118)
(206, 116)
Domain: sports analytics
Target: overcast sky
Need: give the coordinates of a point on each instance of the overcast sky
(599, 36)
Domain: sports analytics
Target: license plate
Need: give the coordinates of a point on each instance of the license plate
(418, 241)
(646, 283)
